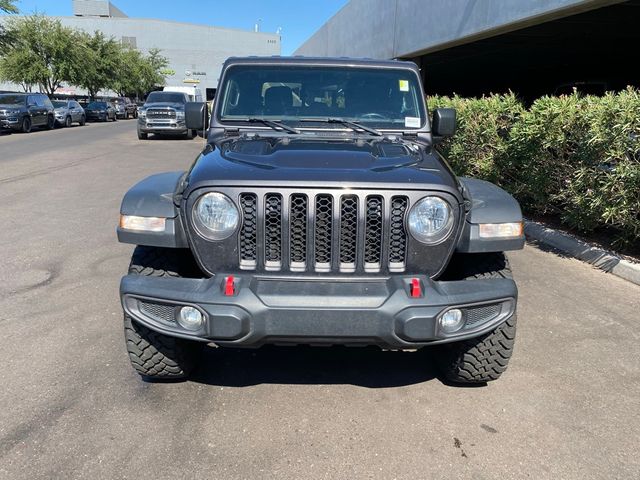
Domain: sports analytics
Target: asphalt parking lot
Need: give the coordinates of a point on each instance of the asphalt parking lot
(72, 407)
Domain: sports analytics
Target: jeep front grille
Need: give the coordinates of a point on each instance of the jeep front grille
(325, 232)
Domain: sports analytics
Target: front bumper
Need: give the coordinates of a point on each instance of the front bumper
(11, 121)
(295, 310)
(166, 126)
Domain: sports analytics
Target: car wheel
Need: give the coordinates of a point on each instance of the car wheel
(482, 359)
(83, 120)
(115, 118)
(142, 135)
(135, 114)
(189, 134)
(67, 122)
(153, 355)
(51, 122)
(26, 125)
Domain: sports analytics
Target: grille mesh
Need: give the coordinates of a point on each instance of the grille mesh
(348, 229)
(248, 233)
(481, 313)
(273, 228)
(323, 232)
(322, 236)
(158, 311)
(373, 228)
(298, 229)
(397, 234)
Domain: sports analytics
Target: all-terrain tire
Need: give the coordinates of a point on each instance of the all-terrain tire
(152, 354)
(481, 359)
(142, 135)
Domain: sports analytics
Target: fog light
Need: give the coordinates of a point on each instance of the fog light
(451, 321)
(190, 318)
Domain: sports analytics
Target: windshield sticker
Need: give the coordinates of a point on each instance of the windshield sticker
(404, 85)
(412, 122)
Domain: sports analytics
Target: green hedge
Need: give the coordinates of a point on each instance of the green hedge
(573, 157)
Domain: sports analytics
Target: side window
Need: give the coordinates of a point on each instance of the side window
(31, 100)
(39, 100)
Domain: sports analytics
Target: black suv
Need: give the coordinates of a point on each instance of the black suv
(22, 111)
(320, 212)
(163, 114)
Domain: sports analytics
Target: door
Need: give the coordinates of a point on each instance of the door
(76, 112)
(36, 111)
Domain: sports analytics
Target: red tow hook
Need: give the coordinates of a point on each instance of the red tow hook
(415, 289)
(230, 286)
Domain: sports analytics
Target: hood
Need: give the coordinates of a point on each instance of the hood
(61, 109)
(164, 105)
(318, 162)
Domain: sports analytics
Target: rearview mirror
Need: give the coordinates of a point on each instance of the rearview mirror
(196, 116)
(444, 122)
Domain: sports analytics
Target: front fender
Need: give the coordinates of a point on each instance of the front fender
(153, 197)
(488, 204)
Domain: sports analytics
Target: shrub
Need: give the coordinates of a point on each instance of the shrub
(571, 156)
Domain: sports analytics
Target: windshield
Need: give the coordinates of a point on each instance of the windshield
(94, 105)
(166, 97)
(12, 99)
(377, 97)
(59, 104)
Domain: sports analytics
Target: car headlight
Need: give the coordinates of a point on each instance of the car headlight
(179, 114)
(431, 220)
(215, 216)
(142, 113)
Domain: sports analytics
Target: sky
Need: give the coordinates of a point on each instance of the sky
(298, 19)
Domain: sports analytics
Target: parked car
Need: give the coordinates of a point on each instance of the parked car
(100, 111)
(320, 212)
(162, 114)
(125, 107)
(22, 111)
(68, 112)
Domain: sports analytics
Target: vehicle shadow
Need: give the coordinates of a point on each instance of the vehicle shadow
(167, 137)
(365, 367)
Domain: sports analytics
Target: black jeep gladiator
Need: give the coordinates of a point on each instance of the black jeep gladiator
(320, 212)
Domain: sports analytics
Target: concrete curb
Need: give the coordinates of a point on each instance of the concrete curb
(598, 257)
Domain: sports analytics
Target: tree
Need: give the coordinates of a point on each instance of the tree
(40, 53)
(139, 73)
(8, 6)
(100, 59)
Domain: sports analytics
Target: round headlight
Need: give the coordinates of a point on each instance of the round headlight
(430, 220)
(215, 216)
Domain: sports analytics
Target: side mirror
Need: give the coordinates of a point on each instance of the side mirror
(444, 122)
(196, 116)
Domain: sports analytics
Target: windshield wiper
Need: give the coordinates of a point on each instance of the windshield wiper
(346, 123)
(273, 124)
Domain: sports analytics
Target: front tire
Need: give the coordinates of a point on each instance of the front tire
(67, 122)
(51, 122)
(26, 125)
(154, 355)
(83, 121)
(482, 359)
(142, 135)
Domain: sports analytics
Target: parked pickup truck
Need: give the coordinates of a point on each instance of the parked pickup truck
(163, 114)
(320, 212)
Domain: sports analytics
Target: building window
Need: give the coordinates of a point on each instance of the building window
(129, 42)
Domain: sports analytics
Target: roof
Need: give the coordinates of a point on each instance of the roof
(329, 61)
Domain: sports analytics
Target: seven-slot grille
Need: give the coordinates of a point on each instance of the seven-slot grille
(323, 232)
(160, 113)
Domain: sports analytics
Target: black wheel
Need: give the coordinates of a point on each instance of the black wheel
(83, 121)
(51, 122)
(115, 118)
(152, 354)
(67, 122)
(485, 358)
(135, 114)
(26, 125)
(142, 135)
